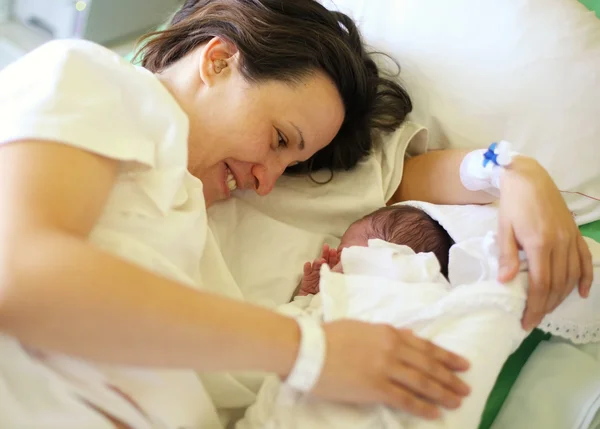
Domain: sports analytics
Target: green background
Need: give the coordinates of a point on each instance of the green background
(593, 5)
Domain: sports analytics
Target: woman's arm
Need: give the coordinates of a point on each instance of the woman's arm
(59, 293)
(434, 177)
(533, 216)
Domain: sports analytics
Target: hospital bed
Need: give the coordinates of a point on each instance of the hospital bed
(527, 71)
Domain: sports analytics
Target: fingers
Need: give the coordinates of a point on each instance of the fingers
(539, 286)
(314, 267)
(333, 258)
(573, 272)
(559, 260)
(427, 348)
(389, 366)
(509, 252)
(330, 255)
(587, 269)
(423, 386)
(307, 268)
(422, 377)
(438, 382)
(397, 397)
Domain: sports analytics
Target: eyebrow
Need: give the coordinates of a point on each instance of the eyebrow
(301, 144)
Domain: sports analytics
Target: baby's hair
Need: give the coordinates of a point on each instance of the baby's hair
(412, 227)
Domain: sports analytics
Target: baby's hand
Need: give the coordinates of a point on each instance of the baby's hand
(330, 255)
(311, 277)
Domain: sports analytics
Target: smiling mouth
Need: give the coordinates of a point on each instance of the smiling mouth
(229, 179)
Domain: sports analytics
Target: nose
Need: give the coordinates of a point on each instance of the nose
(266, 176)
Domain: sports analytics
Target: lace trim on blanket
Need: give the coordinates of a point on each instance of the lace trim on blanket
(572, 331)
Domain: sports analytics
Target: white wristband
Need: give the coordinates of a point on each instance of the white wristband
(311, 356)
(481, 169)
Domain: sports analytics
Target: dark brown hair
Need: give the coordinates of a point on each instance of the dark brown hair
(286, 40)
(411, 227)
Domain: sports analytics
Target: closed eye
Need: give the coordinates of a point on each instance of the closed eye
(282, 142)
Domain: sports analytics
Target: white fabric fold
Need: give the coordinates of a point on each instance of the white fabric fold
(462, 222)
(387, 283)
(576, 319)
(461, 319)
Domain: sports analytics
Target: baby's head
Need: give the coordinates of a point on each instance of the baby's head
(405, 225)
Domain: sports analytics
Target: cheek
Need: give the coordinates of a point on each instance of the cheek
(253, 143)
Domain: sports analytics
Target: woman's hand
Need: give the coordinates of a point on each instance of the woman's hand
(534, 217)
(370, 364)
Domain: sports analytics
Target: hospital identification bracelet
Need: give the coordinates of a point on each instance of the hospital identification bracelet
(311, 356)
(481, 169)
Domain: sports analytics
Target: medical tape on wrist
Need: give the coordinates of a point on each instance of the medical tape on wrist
(311, 356)
(482, 169)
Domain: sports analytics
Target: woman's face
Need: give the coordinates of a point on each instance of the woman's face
(242, 134)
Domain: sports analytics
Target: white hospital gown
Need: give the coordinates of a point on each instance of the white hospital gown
(478, 318)
(83, 95)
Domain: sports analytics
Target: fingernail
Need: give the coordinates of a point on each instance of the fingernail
(432, 414)
(453, 403)
(506, 270)
(531, 326)
(465, 363)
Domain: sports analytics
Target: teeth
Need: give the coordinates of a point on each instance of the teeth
(231, 183)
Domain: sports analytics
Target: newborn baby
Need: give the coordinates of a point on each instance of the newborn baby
(399, 224)
(469, 313)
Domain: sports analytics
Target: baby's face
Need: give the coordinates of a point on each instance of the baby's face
(355, 235)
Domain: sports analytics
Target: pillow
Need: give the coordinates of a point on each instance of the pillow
(527, 71)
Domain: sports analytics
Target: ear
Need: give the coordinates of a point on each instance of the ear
(217, 61)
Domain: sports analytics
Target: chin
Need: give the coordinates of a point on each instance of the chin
(211, 197)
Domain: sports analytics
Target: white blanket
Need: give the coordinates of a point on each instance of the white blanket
(386, 283)
(575, 320)
(559, 387)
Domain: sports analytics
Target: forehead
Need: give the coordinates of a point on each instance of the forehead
(356, 234)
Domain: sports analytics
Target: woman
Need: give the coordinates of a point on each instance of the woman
(96, 192)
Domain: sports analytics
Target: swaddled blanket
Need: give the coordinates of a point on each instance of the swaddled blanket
(575, 320)
(477, 318)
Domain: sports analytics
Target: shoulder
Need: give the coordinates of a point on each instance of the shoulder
(67, 53)
(75, 47)
(77, 93)
(69, 67)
